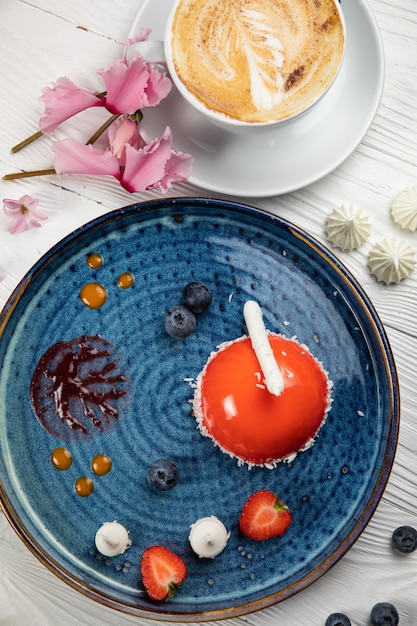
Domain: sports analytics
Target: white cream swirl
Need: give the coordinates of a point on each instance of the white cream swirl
(112, 539)
(208, 537)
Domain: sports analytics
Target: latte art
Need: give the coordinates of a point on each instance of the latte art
(257, 60)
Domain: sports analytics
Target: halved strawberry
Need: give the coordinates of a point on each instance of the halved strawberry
(162, 572)
(264, 516)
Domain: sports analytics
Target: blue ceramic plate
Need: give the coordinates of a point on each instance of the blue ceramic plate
(241, 253)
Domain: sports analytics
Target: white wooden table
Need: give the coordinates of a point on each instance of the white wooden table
(44, 39)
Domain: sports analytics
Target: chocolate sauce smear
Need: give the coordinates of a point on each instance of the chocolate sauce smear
(79, 389)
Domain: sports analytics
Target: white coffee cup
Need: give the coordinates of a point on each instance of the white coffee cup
(294, 79)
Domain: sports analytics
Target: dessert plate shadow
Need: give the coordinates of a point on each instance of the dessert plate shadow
(299, 152)
(241, 253)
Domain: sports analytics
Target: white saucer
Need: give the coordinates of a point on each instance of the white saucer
(298, 153)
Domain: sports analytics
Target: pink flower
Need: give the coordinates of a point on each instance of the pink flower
(23, 213)
(136, 165)
(156, 166)
(134, 84)
(72, 157)
(130, 84)
(121, 133)
(63, 101)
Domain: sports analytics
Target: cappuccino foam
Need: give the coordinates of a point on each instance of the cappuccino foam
(257, 60)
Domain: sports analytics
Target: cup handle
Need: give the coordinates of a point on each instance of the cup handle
(152, 51)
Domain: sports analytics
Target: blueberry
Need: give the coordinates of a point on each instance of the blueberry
(404, 539)
(197, 297)
(338, 619)
(163, 474)
(179, 322)
(384, 614)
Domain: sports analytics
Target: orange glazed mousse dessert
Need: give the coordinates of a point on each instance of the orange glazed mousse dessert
(262, 398)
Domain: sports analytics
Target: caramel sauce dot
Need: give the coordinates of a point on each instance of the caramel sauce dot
(84, 486)
(125, 280)
(101, 464)
(94, 260)
(93, 295)
(61, 459)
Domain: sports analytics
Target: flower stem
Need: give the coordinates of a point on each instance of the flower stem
(27, 141)
(17, 175)
(102, 128)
